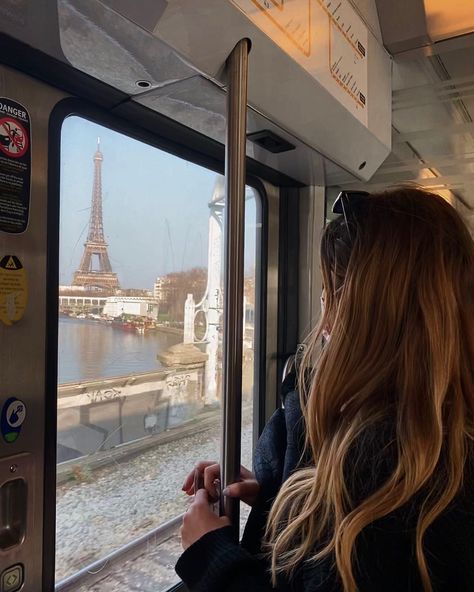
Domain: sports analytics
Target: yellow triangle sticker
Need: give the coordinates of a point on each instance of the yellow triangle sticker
(10, 264)
(13, 290)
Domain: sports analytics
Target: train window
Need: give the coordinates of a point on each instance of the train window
(140, 342)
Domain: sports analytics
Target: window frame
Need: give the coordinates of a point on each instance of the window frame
(175, 139)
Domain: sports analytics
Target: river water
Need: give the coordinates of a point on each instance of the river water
(89, 350)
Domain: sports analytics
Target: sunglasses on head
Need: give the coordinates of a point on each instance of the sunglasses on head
(347, 200)
(345, 203)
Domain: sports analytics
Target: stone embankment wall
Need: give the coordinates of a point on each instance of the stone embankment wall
(98, 415)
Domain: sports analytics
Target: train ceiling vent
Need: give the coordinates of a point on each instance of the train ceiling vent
(270, 141)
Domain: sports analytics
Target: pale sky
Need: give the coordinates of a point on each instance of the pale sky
(155, 206)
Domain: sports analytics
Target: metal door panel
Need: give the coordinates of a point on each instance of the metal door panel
(22, 345)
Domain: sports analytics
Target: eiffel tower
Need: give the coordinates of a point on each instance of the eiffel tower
(95, 247)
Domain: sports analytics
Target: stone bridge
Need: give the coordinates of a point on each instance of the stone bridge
(98, 415)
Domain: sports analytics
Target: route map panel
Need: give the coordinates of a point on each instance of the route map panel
(286, 22)
(326, 37)
(347, 50)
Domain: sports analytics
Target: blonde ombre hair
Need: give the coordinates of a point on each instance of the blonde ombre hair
(398, 275)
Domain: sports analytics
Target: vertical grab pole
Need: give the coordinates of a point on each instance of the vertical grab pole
(237, 72)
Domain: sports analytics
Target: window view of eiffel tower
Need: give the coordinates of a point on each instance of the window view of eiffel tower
(95, 270)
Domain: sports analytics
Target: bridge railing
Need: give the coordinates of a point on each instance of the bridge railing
(98, 415)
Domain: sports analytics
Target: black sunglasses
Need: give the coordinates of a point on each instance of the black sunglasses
(347, 200)
(345, 203)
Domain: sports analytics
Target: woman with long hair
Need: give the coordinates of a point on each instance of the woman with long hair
(373, 489)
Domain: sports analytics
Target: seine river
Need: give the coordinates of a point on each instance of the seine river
(90, 350)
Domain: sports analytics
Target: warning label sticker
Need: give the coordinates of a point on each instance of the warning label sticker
(13, 289)
(15, 166)
(10, 263)
(13, 137)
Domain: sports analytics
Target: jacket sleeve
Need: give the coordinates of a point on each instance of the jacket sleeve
(215, 563)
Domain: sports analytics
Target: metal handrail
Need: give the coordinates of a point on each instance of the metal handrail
(237, 69)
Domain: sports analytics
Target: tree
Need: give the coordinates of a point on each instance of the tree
(177, 286)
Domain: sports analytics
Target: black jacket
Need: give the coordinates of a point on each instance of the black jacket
(385, 550)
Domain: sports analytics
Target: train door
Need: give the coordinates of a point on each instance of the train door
(112, 288)
(23, 326)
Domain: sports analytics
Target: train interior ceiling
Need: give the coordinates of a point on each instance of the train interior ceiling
(153, 53)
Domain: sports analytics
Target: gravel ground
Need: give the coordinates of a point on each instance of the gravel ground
(153, 571)
(116, 504)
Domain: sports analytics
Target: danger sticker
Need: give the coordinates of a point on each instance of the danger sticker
(13, 138)
(13, 290)
(15, 166)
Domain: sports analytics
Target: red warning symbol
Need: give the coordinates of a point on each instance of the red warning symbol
(13, 137)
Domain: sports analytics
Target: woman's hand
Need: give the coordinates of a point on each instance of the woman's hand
(200, 519)
(246, 489)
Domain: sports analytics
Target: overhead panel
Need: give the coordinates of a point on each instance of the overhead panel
(316, 70)
(319, 76)
(327, 38)
(33, 22)
(100, 41)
